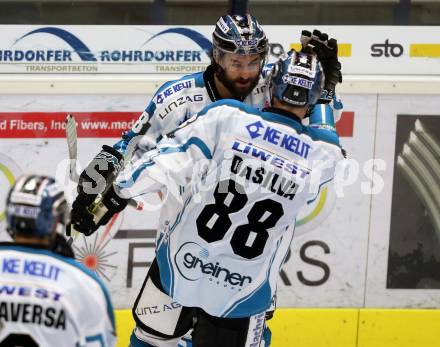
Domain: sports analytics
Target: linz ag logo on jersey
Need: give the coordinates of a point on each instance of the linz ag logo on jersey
(297, 81)
(277, 137)
(193, 263)
(182, 100)
(171, 90)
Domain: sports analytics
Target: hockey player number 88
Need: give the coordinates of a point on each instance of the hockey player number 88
(248, 240)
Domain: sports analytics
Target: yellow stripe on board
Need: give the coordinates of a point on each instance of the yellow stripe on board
(337, 327)
(344, 49)
(314, 328)
(403, 328)
(418, 50)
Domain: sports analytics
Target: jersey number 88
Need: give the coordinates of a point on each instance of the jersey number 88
(248, 240)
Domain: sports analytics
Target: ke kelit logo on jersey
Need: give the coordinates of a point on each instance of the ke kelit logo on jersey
(174, 88)
(297, 81)
(277, 137)
(193, 263)
(55, 49)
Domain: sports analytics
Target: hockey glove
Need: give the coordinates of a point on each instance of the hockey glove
(99, 174)
(88, 220)
(95, 179)
(327, 52)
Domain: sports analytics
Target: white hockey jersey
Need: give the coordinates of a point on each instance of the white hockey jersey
(48, 300)
(175, 102)
(246, 174)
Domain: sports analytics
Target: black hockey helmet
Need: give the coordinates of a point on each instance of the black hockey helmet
(239, 34)
(297, 79)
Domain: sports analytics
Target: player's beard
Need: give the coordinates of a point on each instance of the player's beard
(237, 91)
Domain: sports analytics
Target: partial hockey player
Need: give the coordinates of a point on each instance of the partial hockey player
(239, 52)
(47, 298)
(223, 237)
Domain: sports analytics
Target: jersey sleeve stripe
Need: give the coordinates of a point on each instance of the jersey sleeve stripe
(135, 175)
(196, 141)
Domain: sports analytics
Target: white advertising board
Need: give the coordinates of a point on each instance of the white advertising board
(363, 50)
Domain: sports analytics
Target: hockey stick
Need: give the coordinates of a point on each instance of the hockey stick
(96, 207)
(72, 144)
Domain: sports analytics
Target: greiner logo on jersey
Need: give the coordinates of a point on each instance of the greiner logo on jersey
(192, 262)
(277, 137)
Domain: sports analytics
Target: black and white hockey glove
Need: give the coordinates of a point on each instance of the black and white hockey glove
(96, 179)
(327, 52)
(87, 221)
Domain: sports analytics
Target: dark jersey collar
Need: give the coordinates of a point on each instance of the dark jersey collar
(282, 112)
(208, 77)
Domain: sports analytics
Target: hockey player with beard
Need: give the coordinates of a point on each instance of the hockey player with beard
(222, 239)
(47, 297)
